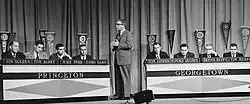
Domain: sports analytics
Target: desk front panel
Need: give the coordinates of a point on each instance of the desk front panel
(22, 82)
(199, 78)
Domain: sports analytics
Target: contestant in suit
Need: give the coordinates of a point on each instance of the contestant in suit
(83, 54)
(13, 52)
(233, 52)
(122, 62)
(60, 53)
(37, 52)
(210, 53)
(157, 54)
(184, 53)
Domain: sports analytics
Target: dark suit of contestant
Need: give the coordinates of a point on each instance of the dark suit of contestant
(228, 54)
(8, 55)
(152, 55)
(122, 64)
(188, 55)
(205, 55)
(56, 57)
(79, 57)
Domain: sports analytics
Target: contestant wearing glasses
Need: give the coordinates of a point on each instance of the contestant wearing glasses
(209, 52)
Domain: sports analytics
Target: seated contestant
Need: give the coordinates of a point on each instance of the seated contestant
(210, 52)
(13, 52)
(37, 52)
(83, 54)
(60, 53)
(184, 53)
(233, 51)
(157, 54)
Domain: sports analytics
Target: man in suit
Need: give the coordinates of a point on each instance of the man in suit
(37, 52)
(83, 54)
(122, 61)
(157, 53)
(13, 52)
(60, 53)
(210, 52)
(233, 51)
(184, 53)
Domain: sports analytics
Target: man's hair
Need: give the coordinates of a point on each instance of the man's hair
(12, 42)
(124, 22)
(156, 43)
(39, 42)
(233, 44)
(59, 45)
(184, 45)
(82, 45)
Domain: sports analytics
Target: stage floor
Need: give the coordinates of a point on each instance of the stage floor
(209, 100)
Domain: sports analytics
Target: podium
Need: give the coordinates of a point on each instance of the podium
(54, 80)
(208, 77)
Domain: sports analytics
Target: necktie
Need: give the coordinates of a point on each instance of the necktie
(83, 57)
(233, 55)
(14, 55)
(37, 56)
(119, 34)
(208, 55)
(158, 56)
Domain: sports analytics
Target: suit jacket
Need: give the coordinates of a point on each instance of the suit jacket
(152, 55)
(205, 55)
(78, 57)
(31, 55)
(123, 50)
(189, 55)
(55, 57)
(8, 55)
(228, 54)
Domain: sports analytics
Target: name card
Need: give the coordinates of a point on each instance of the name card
(83, 62)
(30, 62)
(172, 61)
(53, 62)
(225, 59)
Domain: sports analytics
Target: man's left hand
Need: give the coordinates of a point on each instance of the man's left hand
(116, 43)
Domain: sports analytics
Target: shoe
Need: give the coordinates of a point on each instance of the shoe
(115, 97)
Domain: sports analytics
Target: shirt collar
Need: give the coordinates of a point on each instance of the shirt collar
(122, 31)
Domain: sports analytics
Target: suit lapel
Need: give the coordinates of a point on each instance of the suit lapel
(122, 35)
(11, 54)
